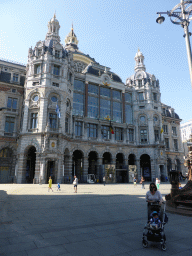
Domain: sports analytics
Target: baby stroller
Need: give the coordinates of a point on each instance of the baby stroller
(152, 232)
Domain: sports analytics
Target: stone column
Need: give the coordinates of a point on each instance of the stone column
(60, 171)
(21, 169)
(25, 116)
(154, 169)
(37, 168)
(42, 122)
(151, 137)
(139, 173)
(85, 168)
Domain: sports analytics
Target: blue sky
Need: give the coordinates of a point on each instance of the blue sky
(111, 32)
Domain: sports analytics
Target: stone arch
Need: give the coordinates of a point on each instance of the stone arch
(53, 92)
(120, 160)
(78, 164)
(66, 161)
(30, 163)
(107, 157)
(35, 91)
(93, 162)
(132, 159)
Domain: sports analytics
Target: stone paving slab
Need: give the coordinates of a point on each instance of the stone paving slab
(98, 220)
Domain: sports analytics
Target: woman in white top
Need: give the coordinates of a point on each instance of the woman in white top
(152, 196)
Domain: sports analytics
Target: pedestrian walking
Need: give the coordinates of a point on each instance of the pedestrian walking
(135, 181)
(157, 183)
(50, 184)
(142, 182)
(75, 183)
(104, 180)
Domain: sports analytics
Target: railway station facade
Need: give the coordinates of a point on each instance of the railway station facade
(66, 114)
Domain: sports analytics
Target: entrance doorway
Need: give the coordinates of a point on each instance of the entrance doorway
(121, 172)
(77, 167)
(31, 161)
(92, 163)
(145, 164)
(51, 170)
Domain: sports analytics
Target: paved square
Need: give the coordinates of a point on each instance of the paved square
(98, 220)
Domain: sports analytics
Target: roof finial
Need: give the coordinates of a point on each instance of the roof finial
(55, 14)
(72, 26)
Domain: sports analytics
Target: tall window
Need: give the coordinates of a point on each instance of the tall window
(52, 121)
(117, 112)
(93, 109)
(92, 130)
(78, 128)
(118, 134)
(128, 114)
(93, 89)
(139, 83)
(56, 70)
(9, 125)
(175, 145)
(131, 135)
(143, 136)
(105, 108)
(156, 133)
(78, 98)
(15, 77)
(165, 128)
(141, 96)
(56, 54)
(167, 143)
(128, 97)
(78, 104)
(174, 131)
(33, 123)
(155, 96)
(12, 104)
(105, 132)
(37, 69)
(66, 125)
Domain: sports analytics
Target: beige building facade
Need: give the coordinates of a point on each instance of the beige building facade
(76, 117)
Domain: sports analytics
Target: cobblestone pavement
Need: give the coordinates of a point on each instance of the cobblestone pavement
(98, 220)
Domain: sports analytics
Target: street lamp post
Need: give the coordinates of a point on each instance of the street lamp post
(181, 14)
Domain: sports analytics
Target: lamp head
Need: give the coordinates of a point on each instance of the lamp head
(160, 19)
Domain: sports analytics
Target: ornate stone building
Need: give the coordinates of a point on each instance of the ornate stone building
(78, 117)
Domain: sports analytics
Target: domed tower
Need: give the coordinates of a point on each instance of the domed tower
(146, 102)
(71, 41)
(47, 106)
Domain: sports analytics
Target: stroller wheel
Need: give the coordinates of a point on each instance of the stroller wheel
(163, 247)
(145, 243)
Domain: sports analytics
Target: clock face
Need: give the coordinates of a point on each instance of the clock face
(106, 79)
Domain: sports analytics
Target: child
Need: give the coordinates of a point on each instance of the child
(50, 184)
(155, 221)
(135, 182)
(58, 187)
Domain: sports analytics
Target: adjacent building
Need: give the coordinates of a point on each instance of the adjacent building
(73, 116)
(186, 131)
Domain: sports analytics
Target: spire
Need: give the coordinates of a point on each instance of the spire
(53, 29)
(71, 40)
(139, 58)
